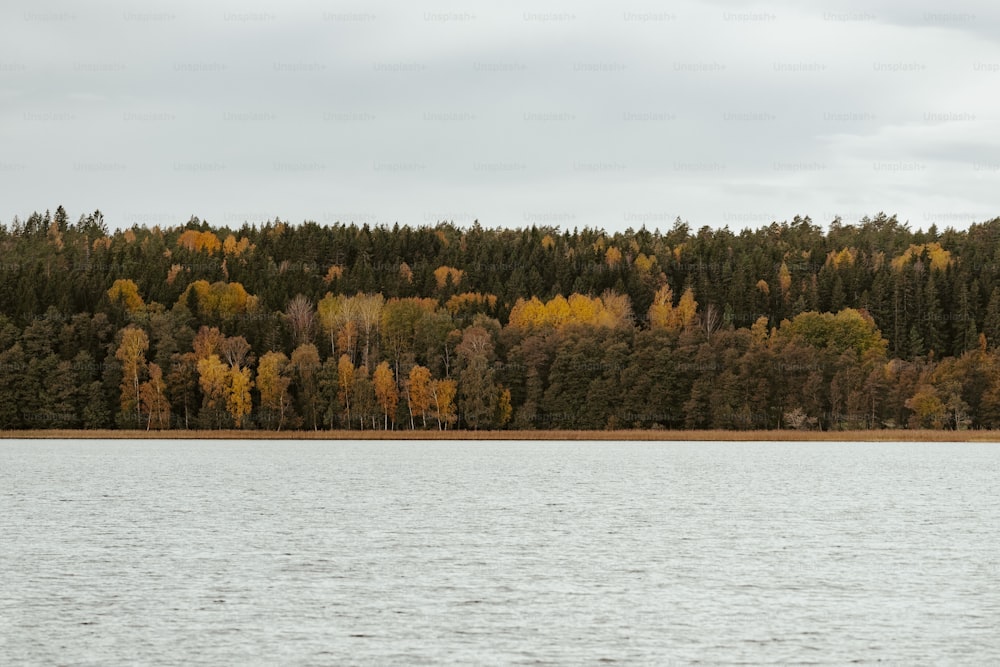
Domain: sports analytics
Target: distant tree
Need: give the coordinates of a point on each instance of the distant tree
(345, 382)
(213, 378)
(418, 393)
(153, 400)
(386, 392)
(300, 316)
(273, 384)
(304, 367)
(132, 355)
(238, 399)
(443, 395)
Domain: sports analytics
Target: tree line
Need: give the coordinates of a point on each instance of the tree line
(284, 327)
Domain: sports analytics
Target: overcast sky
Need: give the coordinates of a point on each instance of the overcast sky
(573, 114)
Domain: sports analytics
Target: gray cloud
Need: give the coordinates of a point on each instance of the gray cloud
(576, 114)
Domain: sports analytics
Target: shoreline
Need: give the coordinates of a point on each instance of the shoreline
(549, 435)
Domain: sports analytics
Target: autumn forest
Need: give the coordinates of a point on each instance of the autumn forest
(279, 326)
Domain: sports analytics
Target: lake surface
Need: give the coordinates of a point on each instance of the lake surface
(153, 552)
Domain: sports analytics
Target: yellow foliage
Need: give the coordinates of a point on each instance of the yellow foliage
(610, 311)
(418, 392)
(845, 257)
(763, 287)
(345, 382)
(613, 257)
(334, 273)
(645, 264)
(470, 302)
(132, 354)
(212, 378)
(442, 273)
(126, 292)
(527, 314)
(548, 242)
(238, 400)
(687, 309)
(386, 392)
(939, 257)
(273, 384)
(196, 241)
(443, 395)
(583, 309)
(405, 272)
(784, 279)
(233, 247)
(664, 315)
(153, 400)
(219, 299)
(758, 331)
(661, 311)
(557, 312)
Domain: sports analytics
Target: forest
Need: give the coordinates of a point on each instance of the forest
(280, 326)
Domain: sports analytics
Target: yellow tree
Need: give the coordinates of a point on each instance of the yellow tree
(661, 312)
(613, 257)
(213, 377)
(238, 400)
(444, 274)
(154, 401)
(784, 281)
(273, 385)
(132, 355)
(386, 392)
(207, 341)
(686, 310)
(584, 310)
(418, 393)
(125, 293)
(330, 311)
(527, 314)
(369, 315)
(557, 311)
(928, 409)
(443, 392)
(196, 241)
(664, 315)
(345, 383)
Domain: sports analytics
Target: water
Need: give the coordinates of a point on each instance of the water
(527, 553)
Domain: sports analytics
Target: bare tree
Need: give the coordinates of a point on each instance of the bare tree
(235, 351)
(711, 320)
(369, 313)
(300, 316)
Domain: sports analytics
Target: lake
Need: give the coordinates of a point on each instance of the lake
(313, 553)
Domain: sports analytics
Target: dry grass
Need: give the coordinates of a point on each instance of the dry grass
(633, 435)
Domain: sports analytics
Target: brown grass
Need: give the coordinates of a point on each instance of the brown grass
(633, 435)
